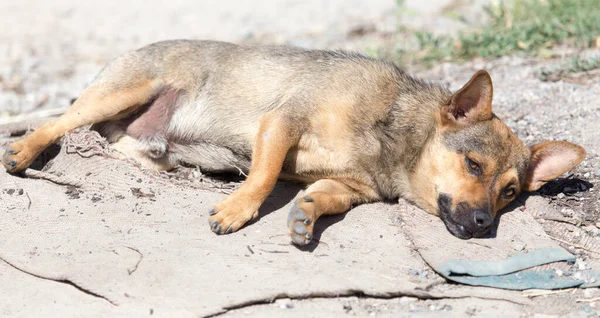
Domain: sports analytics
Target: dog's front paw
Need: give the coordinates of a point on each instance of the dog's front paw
(301, 221)
(16, 158)
(231, 214)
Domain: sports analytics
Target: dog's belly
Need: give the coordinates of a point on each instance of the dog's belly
(316, 158)
(219, 136)
(215, 136)
(210, 158)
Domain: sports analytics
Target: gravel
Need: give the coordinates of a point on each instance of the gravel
(50, 51)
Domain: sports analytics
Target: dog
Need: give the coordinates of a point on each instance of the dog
(353, 128)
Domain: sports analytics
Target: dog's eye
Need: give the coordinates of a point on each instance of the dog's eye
(508, 192)
(473, 167)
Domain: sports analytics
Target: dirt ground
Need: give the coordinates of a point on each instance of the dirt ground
(49, 52)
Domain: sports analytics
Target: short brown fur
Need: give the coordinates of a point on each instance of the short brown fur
(355, 129)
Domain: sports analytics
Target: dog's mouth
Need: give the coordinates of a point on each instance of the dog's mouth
(453, 227)
(456, 229)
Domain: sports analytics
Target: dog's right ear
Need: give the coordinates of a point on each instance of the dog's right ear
(470, 104)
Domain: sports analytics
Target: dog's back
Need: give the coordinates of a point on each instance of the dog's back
(214, 93)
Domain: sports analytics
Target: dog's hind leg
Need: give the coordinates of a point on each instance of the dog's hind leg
(326, 196)
(99, 102)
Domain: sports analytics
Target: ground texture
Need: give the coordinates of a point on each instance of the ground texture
(49, 52)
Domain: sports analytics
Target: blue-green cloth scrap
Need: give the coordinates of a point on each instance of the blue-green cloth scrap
(511, 273)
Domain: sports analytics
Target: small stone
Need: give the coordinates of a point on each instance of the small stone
(580, 264)
(587, 175)
(196, 174)
(347, 307)
(518, 247)
(415, 271)
(598, 225)
(560, 196)
(567, 212)
(471, 311)
(597, 174)
(559, 273)
(284, 303)
(407, 300)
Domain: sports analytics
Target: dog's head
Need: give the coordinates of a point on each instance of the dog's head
(474, 165)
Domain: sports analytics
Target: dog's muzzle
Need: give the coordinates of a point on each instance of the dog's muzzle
(465, 222)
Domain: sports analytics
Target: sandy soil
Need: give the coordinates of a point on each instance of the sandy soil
(49, 51)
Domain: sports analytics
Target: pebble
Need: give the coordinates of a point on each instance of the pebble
(530, 118)
(440, 307)
(347, 307)
(196, 174)
(587, 175)
(598, 225)
(518, 247)
(597, 174)
(559, 273)
(415, 271)
(407, 300)
(580, 264)
(285, 303)
(567, 212)
(560, 196)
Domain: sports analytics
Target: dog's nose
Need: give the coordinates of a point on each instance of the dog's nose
(482, 220)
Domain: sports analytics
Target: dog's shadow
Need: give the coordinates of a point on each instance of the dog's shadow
(568, 186)
(283, 194)
(323, 223)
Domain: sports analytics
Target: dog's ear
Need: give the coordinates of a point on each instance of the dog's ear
(550, 160)
(470, 104)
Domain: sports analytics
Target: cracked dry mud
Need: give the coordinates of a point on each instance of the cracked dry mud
(50, 53)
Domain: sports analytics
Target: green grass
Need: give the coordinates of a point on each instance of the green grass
(575, 65)
(519, 26)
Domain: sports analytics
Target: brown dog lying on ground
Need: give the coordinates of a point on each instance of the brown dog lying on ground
(355, 129)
